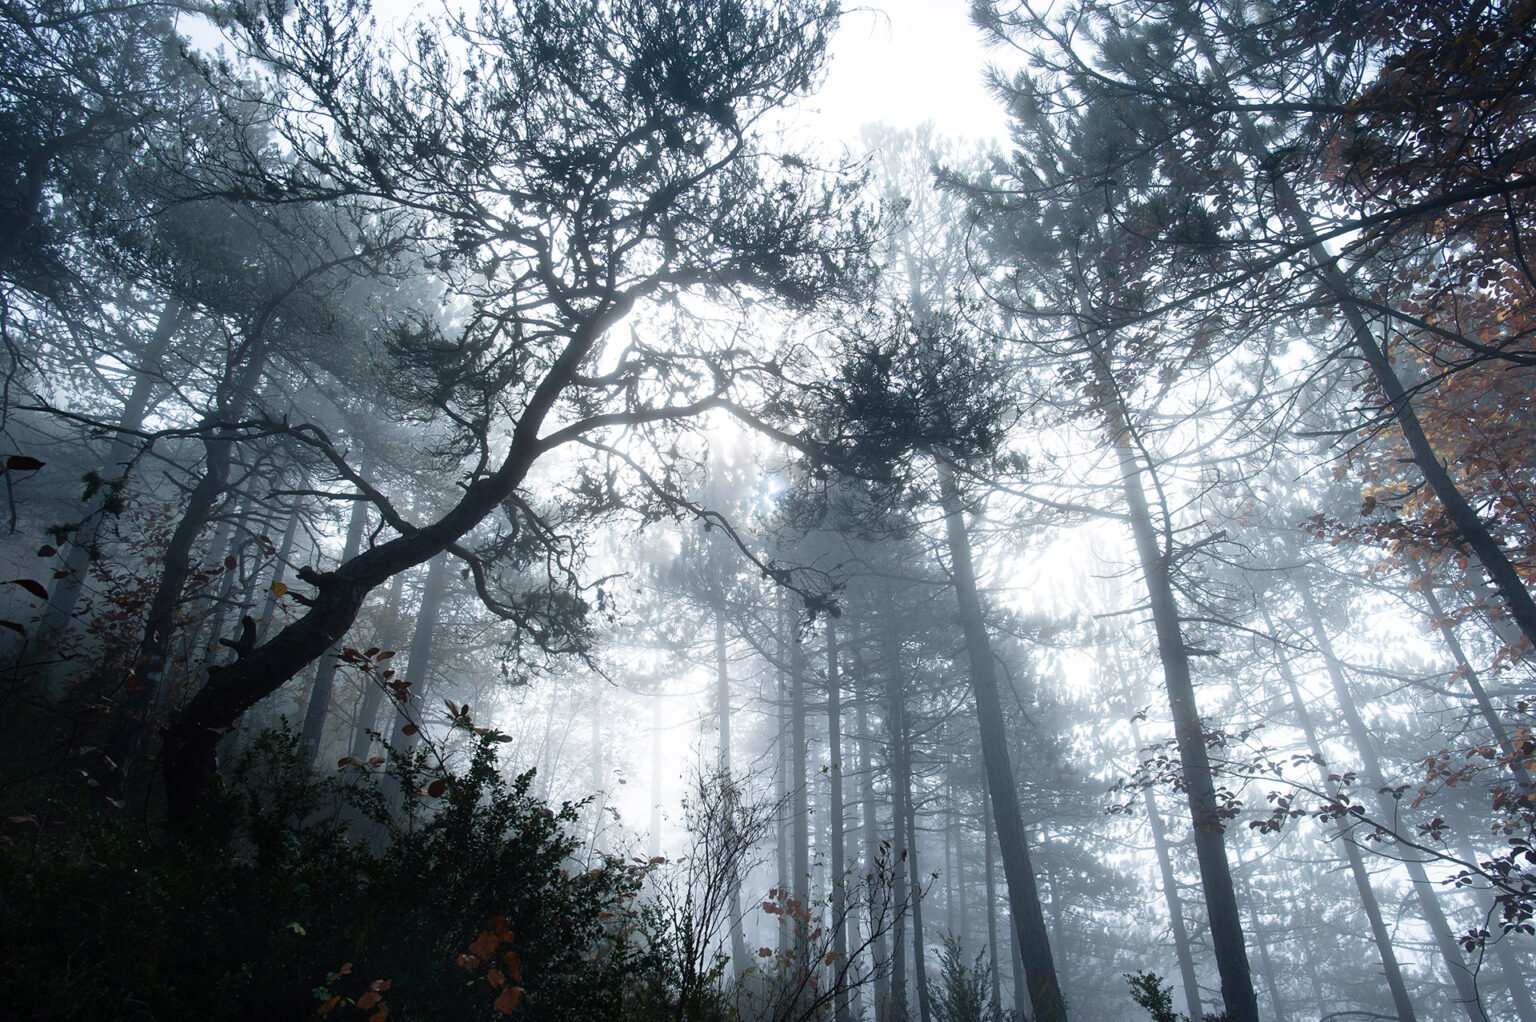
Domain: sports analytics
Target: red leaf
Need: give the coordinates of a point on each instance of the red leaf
(35, 588)
(22, 463)
(409, 729)
(484, 945)
(437, 787)
(508, 1000)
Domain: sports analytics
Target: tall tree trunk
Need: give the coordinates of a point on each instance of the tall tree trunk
(367, 722)
(1429, 904)
(992, 959)
(919, 947)
(1512, 756)
(1171, 895)
(901, 793)
(835, 780)
(740, 963)
(1237, 993)
(145, 686)
(1391, 971)
(1023, 894)
(114, 467)
(799, 795)
(418, 658)
(882, 984)
(319, 709)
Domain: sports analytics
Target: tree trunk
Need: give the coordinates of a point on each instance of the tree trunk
(992, 958)
(740, 963)
(1171, 896)
(1227, 945)
(882, 984)
(1023, 894)
(919, 952)
(1429, 904)
(189, 756)
(835, 780)
(319, 709)
(1392, 972)
(1490, 716)
(367, 721)
(114, 467)
(901, 791)
(418, 659)
(1464, 518)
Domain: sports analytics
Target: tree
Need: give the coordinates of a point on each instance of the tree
(585, 162)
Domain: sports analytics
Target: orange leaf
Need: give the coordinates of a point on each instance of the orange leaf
(508, 1000)
(484, 945)
(328, 1006)
(380, 1015)
(368, 1000)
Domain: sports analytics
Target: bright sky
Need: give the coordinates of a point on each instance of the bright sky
(897, 62)
(903, 63)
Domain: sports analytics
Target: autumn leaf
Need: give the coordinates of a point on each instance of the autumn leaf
(22, 463)
(437, 787)
(409, 729)
(514, 966)
(328, 1005)
(508, 1000)
(495, 978)
(279, 589)
(368, 1000)
(484, 945)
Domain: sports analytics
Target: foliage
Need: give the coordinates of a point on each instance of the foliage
(963, 991)
(277, 908)
(1152, 993)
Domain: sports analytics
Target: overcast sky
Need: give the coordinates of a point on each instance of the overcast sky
(905, 62)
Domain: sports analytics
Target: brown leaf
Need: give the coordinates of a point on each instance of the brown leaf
(437, 787)
(409, 729)
(514, 966)
(508, 1000)
(484, 945)
(328, 1005)
(368, 1000)
(495, 978)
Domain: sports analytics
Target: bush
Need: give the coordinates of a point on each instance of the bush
(315, 895)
